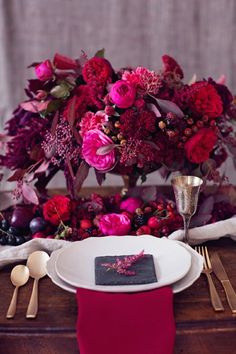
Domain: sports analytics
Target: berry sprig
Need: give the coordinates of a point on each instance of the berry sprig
(122, 266)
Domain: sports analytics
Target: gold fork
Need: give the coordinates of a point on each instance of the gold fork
(207, 269)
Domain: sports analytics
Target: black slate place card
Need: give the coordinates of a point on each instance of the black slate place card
(144, 269)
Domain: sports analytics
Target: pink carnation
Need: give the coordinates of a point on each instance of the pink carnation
(144, 79)
(123, 94)
(91, 121)
(92, 141)
(131, 204)
(115, 224)
(44, 70)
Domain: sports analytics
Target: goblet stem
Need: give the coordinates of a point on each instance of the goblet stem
(186, 219)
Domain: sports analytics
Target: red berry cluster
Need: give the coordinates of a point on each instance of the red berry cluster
(160, 218)
(87, 229)
(179, 130)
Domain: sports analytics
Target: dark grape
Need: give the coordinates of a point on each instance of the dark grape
(37, 224)
(21, 216)
(3, 240)
(140, 220)
(4, 225)
(19, 240)
(14, 231)
(90, 230)
(11, 240)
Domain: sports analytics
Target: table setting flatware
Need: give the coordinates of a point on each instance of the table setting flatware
(207, 270)
(222, 276)
(37, 270)
(19, 277)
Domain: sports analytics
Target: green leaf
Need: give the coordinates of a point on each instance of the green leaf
(100, 53)
(53, 106)
(60, 91)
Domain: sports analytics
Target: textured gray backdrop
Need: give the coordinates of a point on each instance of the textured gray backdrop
(199, 33)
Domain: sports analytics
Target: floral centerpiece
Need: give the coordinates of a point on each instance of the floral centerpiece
(83, 114)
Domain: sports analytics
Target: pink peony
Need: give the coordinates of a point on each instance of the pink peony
(92, 121)
(131, 204)
(115, 224)
(92, 141)
(123, 94)
(44, 70)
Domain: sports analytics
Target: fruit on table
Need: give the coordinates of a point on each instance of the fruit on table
(37, 224)
(11, 240)
(14, 231)
(12, 236)
(21, 216)
(3, 240)
(4, 225)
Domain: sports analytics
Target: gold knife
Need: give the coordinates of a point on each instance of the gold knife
(220, 273)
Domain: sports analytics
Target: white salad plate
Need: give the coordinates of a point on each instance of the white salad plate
(75, 263)
(178, 286)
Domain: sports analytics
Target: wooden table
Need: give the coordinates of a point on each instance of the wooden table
(199, 328)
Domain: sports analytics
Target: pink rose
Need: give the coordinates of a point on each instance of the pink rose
(92, 141)
(123, 94)
(131, 204)
(115, 224)
(44, 70)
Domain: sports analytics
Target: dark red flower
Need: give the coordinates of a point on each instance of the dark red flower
(181, 96)
(199, 147)
(57, 209)
(223, 91)
(137, 152)
(147, 120)
(128, 121)
(65, 63)
(171, 66)
(139, 125)
(85, 96)
(205, 100)
(97, 70)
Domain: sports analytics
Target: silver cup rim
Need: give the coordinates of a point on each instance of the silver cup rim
(192, 181)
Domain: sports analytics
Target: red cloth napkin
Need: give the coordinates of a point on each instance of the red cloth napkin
(125, 323)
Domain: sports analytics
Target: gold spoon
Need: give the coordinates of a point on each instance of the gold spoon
(19, 277)
(37, 267)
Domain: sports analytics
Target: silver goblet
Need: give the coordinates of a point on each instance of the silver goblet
(186, 190)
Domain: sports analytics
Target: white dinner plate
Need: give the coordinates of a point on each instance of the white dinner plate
(51, 272)
(182, 284)
(75, 264)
